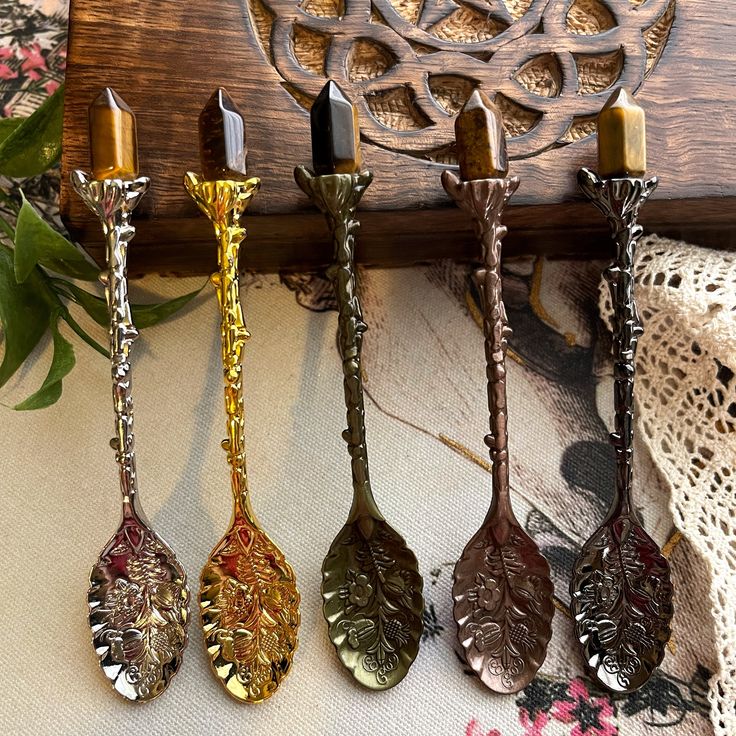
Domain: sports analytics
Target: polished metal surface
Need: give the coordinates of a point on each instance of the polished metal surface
(138, 596)
(621, 589)
(248, 596)
(502, 588)
(371, 585)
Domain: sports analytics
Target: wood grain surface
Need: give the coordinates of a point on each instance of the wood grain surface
(165, 58)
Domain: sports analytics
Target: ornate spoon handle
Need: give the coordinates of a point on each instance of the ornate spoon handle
(113, 201)
(138, 591)
(224, 202)
(504, 633)
(621, 592)
(620, 200)
(337, 196)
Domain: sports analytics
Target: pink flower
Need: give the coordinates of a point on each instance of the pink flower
(7, 73)
(51, 87)
(590, 715)
(34, 62)
(533, 728)
(6, 52)
(474, 729)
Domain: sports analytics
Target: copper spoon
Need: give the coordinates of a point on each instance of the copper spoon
(502, 587)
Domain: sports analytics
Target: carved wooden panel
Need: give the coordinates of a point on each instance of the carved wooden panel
(410, 65)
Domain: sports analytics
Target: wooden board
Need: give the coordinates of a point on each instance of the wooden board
(408, 66)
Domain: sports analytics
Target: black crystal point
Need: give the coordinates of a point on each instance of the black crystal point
(335, 133)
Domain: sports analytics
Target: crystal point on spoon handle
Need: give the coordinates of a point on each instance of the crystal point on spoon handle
(502, 588)
(248, 596)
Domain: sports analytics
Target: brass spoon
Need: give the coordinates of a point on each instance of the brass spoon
(502, 587)
(371, 585)
(621, 591)
(248, 595)
(138, 597)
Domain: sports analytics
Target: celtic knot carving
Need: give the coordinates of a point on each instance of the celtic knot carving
(622, 603)
(410, 64)
(250, 612)
(371, 591)
(138, 611)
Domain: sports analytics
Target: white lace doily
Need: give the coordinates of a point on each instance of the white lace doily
(686, 414)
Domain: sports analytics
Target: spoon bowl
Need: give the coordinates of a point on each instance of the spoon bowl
(373, 603)
(138, 610)
(503, 605)
(250, 612)
(621, 601)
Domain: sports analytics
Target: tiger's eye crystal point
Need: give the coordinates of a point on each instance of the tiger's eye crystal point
(112, 137)
(622, 145)
(481, 139)
(335, 133)
(222, 138)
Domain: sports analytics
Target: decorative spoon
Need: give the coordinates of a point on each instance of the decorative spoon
(502, 587)
(371, 585)
(621, 589)
(248, 595)
(138, 597)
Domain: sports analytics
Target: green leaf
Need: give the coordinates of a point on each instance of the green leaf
(84, 335)
(37, 242)
(93, 305)
(144, 315)
(25, 313)
(62, 362)
(148, 315)
(34, 146)
(8, 125)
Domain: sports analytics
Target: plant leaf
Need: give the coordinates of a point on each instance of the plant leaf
(84, 335)
(34, 146)
(8, 125)
(62, 362)
(25, 313)
(37, 242)
(148, 315)
(144, 315)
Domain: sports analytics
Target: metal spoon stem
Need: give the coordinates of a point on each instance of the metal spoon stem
(338, 195)
(621, 591)
(138, 590)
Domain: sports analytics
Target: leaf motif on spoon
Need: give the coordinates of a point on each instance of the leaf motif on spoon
(503, 607)
(622, 604)
(138, 611)
(373, 602)
(250, 612)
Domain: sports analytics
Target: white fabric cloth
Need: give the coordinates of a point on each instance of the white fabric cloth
(686, 412)
(60, 503)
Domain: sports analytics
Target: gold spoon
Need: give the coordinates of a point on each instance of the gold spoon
(248, 595)
(138, 597)
(371, 585)
(502, 587)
